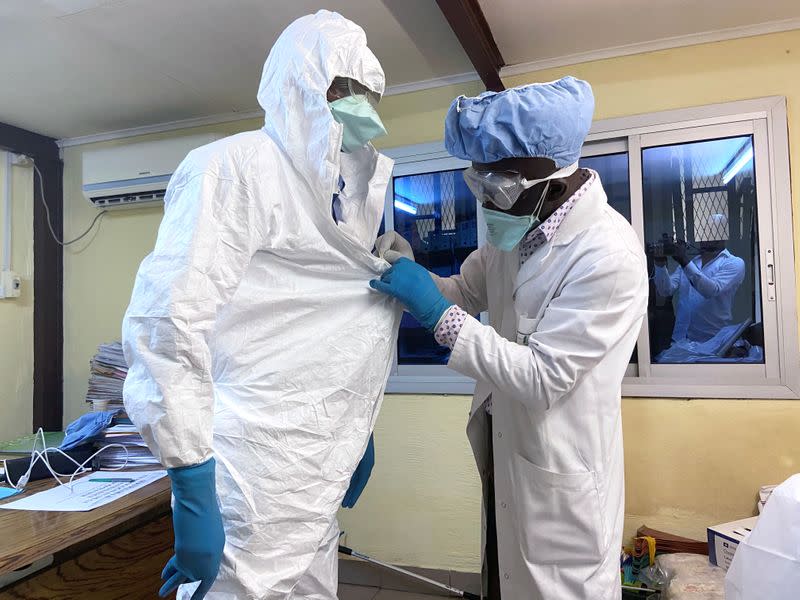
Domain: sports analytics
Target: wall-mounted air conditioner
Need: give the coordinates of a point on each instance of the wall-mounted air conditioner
(136, 174)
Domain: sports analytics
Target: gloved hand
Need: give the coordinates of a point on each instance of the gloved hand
(414, 287)
(392, 246)
(361, 475)
(199, 536)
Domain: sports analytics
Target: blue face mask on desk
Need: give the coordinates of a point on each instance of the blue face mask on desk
(86, 428)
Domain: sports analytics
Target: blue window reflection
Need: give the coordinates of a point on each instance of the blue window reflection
(615, 177)
(437, 214)
(701, 234)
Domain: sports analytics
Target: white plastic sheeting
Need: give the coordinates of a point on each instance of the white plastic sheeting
(767, 562)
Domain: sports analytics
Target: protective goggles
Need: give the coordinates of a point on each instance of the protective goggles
(342, 87)
(503, 188)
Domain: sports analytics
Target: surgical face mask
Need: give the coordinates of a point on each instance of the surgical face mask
(505, 231)
(503, 188)
(359, 121)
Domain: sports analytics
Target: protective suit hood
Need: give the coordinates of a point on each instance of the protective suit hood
(298, 72)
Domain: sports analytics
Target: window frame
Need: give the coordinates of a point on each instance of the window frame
(766, 120)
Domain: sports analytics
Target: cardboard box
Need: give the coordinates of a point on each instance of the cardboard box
(723, 540)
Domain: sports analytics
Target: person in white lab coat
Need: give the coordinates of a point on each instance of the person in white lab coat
(565, 282)
(258, 354)
(704, 287)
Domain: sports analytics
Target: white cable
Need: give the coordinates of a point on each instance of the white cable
(37, 455)
(47, 212)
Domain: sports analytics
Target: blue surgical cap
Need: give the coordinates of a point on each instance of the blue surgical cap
(546, 120)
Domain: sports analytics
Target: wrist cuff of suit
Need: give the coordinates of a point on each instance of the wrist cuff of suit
(194, 478)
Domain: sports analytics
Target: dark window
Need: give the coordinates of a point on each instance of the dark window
(437, 214)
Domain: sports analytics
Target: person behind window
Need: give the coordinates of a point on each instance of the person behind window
(702, 288)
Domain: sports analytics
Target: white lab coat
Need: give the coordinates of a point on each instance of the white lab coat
(704, 296)
(562, 331)
(252, 334)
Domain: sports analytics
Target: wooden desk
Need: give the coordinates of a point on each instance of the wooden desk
(113, 552)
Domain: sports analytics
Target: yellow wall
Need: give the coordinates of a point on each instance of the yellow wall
(16, 314)
(689, 463)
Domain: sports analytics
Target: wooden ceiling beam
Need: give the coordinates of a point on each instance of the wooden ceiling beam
(469, 24)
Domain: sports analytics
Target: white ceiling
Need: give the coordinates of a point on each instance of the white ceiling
(81, 67)
(536, 30)
(78, 67)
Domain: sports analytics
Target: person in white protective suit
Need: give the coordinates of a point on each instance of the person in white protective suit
(258, 353)
(564, 279)
(704, 286)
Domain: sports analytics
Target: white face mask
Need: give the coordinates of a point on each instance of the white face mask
(359, 119)
(505, 231)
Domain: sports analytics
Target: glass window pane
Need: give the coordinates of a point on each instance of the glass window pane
(437, 214)
(613, 171)
(700, 212)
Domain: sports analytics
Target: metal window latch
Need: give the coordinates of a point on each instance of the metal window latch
(770, 269)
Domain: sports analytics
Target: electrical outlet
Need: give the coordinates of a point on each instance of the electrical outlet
(10, 284)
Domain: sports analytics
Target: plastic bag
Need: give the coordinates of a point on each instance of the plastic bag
(767, 562)
(691, 577)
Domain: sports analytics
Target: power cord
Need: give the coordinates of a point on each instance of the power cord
(49, 222)
(37, 455)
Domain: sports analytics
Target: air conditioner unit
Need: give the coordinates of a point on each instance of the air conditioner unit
(134, 175)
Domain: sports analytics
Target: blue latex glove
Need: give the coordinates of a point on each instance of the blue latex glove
(414, 287)
(199, 536)
(361, 475)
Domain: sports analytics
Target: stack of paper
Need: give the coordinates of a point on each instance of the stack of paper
(763, 495)
(122, 441)
(109, 370)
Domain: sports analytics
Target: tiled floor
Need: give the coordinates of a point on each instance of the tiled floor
(357, 592)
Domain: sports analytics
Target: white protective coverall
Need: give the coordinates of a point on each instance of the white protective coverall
(253, 336)
(563, 327)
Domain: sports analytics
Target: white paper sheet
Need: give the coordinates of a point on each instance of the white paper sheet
(84, 494)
